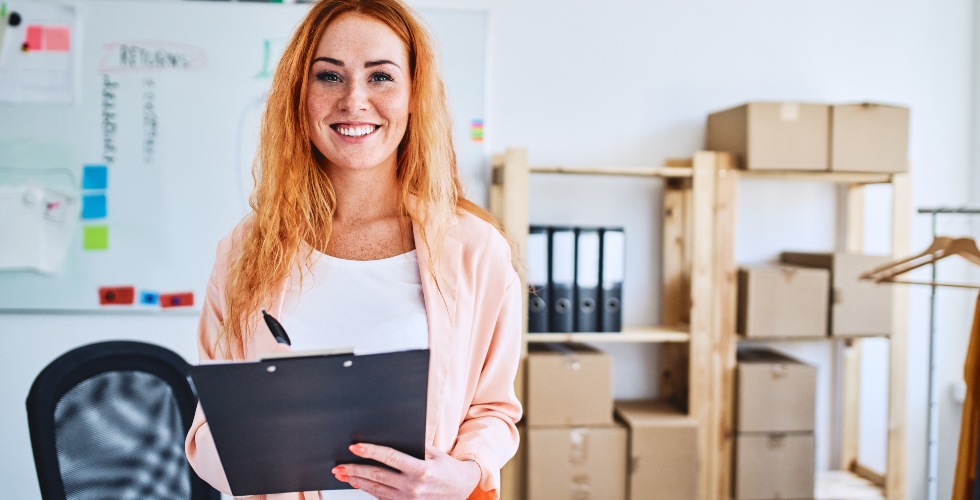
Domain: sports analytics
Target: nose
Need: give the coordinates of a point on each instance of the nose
(356, 97)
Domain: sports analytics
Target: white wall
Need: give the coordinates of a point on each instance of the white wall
(625, 83)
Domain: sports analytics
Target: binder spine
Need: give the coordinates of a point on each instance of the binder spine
(537, 264)
(612, 271)
(587, 256)
(562, 279)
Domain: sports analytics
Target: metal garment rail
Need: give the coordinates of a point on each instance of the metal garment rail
(932, 460)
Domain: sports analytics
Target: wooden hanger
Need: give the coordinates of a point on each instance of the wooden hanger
(966, 248)
(941, 247)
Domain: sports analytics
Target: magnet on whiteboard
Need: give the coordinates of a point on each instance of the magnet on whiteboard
(149, 298)
(184, 299)
(116, 295)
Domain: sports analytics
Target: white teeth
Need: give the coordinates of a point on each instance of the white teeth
(355, 131)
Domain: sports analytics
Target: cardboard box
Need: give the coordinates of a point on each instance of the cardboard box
(858, 307)
(774, 393)
(869, 138)
(770, 466)
(576, 463)
(663, 451)
(568, 384)
(772, 135)
(783, 301)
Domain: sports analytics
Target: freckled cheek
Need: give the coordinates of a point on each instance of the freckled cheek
(394, 109)
(319, 106)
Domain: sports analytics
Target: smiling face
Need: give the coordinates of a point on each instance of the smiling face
(359, 93)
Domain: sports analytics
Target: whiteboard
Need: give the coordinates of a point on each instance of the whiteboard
(169, 96)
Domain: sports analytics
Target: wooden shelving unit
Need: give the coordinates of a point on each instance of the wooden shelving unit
(892, 482)
(620, 171)
(697, 355)
(636, 334)
(698, 215)
(854, 178)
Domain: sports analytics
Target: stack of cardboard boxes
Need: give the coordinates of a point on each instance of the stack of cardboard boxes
(774, 421)
(813, 295)
(576, 450)
(807, 136)
(808, 295)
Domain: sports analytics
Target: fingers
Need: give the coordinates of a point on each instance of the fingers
(378, 490)
(390, 457)
(350, 472)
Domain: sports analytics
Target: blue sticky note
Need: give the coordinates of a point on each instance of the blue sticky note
(95, 177)
(149, 298)
(93, 206)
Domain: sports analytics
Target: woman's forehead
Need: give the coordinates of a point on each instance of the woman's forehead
(357, 38)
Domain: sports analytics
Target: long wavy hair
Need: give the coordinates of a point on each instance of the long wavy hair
(294, 201)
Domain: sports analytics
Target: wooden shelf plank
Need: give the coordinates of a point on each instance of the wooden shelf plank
(622, 171)
(644, 334)
(808, 339)
(806, 175)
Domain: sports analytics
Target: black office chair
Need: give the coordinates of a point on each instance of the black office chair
(108, 421)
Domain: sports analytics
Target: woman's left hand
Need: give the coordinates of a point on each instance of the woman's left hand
(438, 477)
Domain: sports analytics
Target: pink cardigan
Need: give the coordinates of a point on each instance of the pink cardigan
(474, 320)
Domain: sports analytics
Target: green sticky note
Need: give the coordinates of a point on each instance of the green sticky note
(95, 238)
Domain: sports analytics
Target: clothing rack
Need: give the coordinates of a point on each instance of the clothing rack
(932, 460)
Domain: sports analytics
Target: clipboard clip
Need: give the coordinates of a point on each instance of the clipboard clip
(344, 351)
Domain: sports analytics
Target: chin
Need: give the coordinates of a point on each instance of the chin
(356, 163)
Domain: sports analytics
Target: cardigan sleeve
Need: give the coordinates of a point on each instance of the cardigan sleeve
(199, 445)
(488, 434)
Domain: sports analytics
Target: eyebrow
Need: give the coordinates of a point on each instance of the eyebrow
(369, 64)
(330, 61)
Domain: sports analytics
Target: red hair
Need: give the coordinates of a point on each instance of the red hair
(294, 200)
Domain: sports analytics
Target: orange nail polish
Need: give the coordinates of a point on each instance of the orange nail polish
(357, 449)
(341, 477)
(340, 470)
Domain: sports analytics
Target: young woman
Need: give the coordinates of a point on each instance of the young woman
(360, 236)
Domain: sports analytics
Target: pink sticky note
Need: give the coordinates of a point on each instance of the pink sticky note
(34, 36)
(57, 38)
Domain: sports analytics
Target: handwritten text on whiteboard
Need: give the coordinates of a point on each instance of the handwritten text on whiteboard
(141, 56)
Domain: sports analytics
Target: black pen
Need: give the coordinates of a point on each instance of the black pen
(277, 330)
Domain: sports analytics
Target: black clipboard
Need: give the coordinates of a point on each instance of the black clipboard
(280, 425)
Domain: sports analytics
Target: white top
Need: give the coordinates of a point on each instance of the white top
(372, 306)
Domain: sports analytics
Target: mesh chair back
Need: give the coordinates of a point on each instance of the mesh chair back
(108, 420)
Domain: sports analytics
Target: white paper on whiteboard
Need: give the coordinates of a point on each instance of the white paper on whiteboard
(36, 227)
(37, 55)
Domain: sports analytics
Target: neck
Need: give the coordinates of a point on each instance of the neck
(365, 194)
